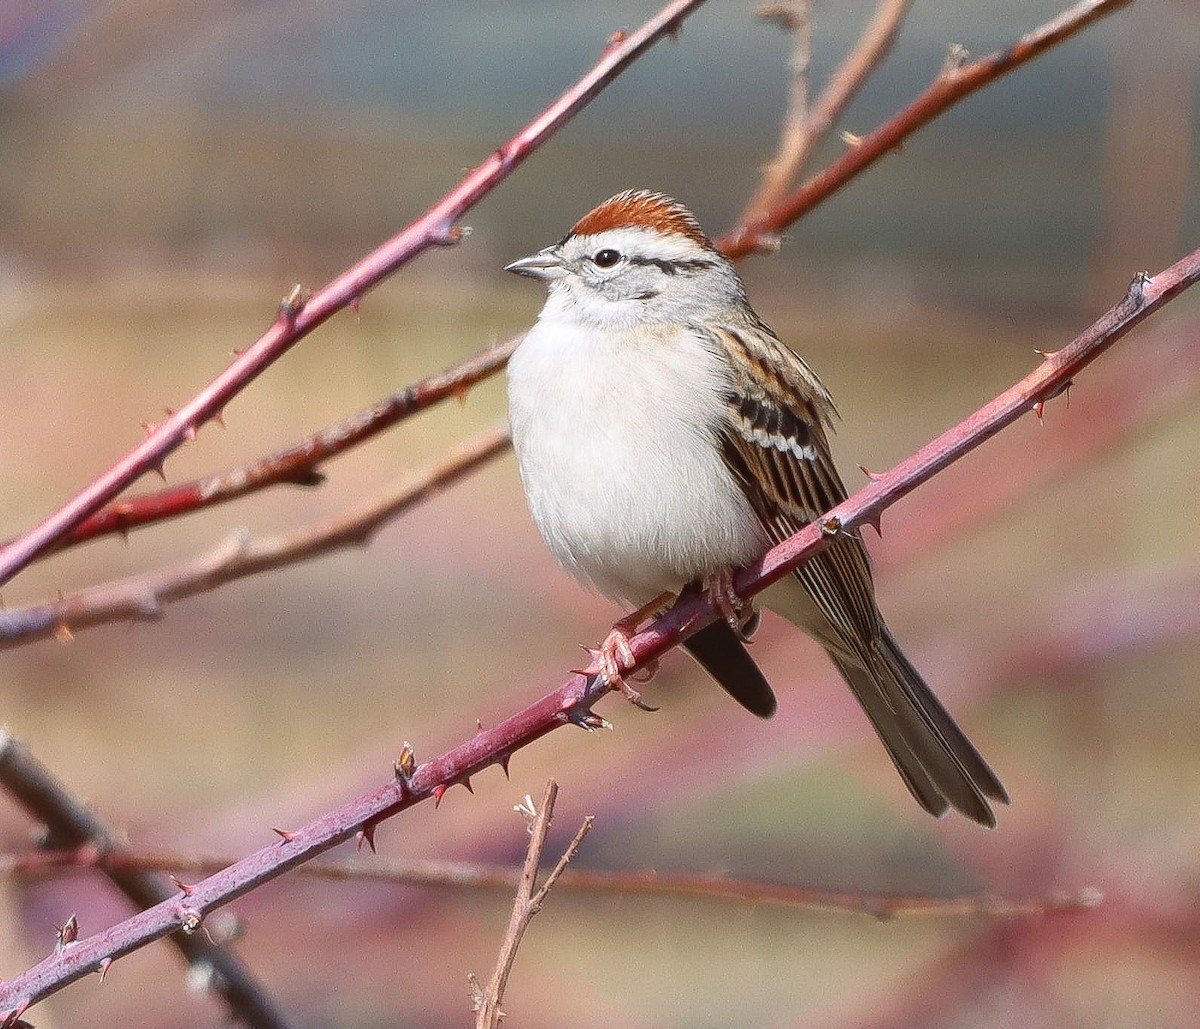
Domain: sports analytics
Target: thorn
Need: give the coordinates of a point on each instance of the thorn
(292, 304)
(366, 835)
(478, 726)
(439, 792)
(1137, 288)
(618, 37)
(285, 836)
(831, 526)
(956, 57)
(466, 781)
(103, 967)
(186, 889)
(158, 470)
(452, 235)
(876, 523)
(851, 139)
(189, 919)
(503, 763)
(218, 416)
(588, 720)
(461, 392)
(356, 306)
(872, 476)
(1045, 355)
(66, 934)
(405, 764)
(62, 633)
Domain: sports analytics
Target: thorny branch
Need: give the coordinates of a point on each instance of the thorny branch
(70, 823)
(141, 597)
(299, 315)
(486, 1002)
(296, 464)
(955, 82)
(571, 703)
(292, 465)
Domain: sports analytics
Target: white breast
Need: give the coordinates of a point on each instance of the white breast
(614, 436)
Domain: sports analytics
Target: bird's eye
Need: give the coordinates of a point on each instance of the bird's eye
(606, 258)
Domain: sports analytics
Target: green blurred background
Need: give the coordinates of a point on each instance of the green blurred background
(167, 170)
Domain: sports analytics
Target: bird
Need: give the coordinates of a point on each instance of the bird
(665, 436)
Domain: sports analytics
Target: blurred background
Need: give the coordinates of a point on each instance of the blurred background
(168, 170)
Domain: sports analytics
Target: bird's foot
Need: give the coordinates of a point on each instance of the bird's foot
(612, 661)
(739, 614)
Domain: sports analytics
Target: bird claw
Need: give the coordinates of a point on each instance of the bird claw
(738, 614)
(613, 659)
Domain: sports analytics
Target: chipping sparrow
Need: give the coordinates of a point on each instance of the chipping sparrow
(664, 435)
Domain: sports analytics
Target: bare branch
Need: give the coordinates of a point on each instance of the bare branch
(955, 82)
(436, 227)
(467, 876)
(295, 464)
(70, 823)
(571, 703)
(805, 129)
(486, 1003)
(141, 597)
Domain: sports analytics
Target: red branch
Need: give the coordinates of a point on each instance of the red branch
(295, 464)
(955, 83)
(298, 317)
(571, 702)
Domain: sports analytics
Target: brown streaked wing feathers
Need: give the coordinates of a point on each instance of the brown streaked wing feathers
(788, 492)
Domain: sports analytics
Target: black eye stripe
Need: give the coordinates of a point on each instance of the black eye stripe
(686, 266)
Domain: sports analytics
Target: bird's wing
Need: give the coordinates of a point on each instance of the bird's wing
(774, 441)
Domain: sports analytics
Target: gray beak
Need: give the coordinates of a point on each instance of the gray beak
(545, 265)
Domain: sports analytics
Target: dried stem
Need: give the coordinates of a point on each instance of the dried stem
(296, 464)
(298, 316)
(141, 597)
(70, 823)
(804, 128)
(571, 702)
(486, 1003)
(955, 82)
(460, 875)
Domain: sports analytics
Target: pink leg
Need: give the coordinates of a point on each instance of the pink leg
(739, 614)
(614, 657)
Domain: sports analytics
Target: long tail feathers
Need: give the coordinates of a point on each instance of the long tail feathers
(940, 766)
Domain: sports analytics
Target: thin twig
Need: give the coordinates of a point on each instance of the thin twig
(805, 128)
(955, 82)
(299, 315)
(70, 823)
(486, 1003)
(571, 703)
(460, 875)
(296, 464)
(142, 597)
